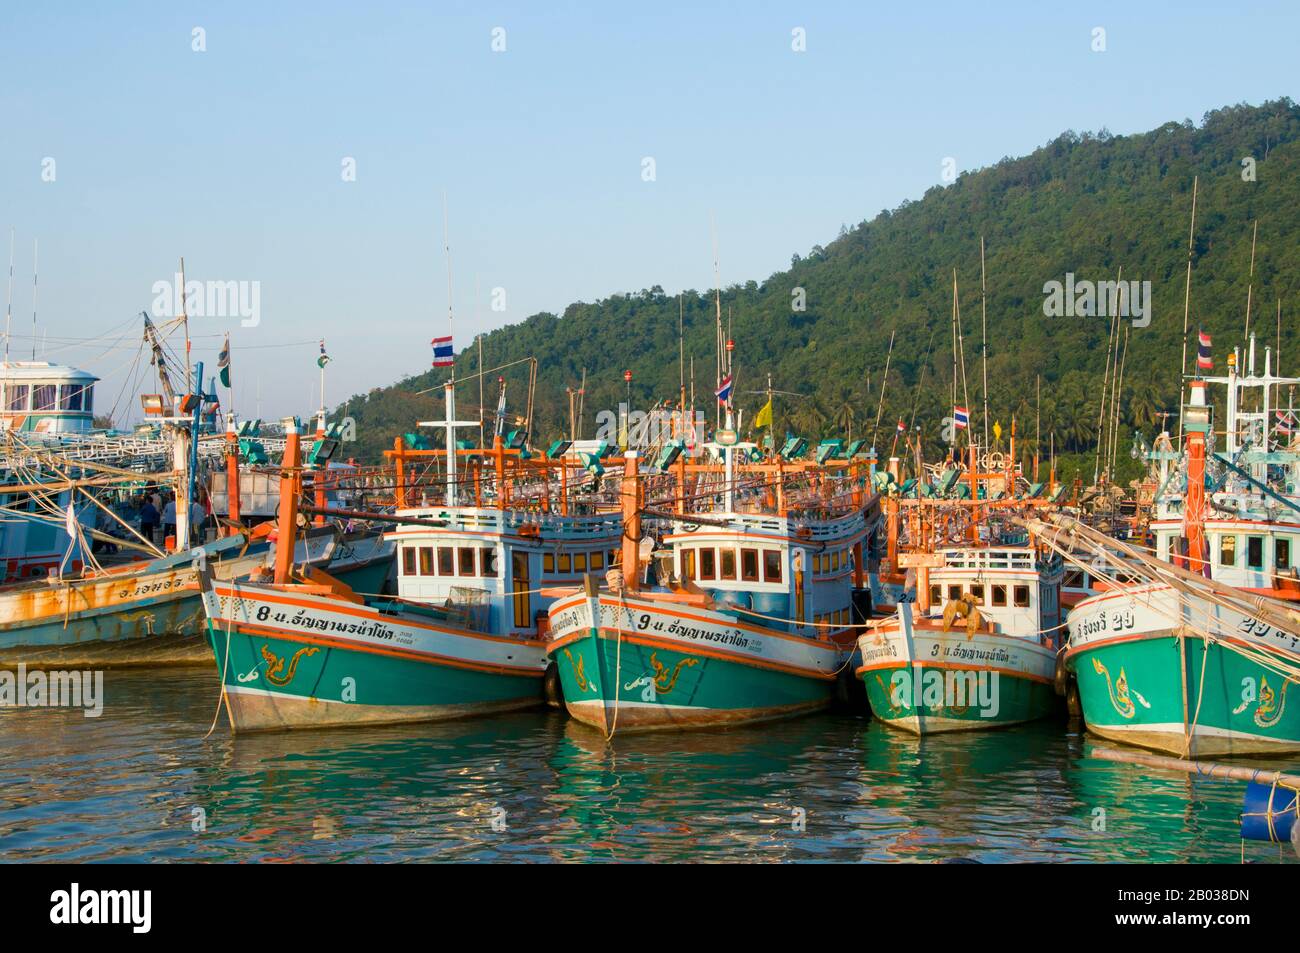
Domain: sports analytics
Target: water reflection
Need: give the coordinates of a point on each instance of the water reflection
(141, 783)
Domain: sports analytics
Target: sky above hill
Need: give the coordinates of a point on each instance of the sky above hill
(297, 155)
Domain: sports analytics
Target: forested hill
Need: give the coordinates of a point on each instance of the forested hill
(1090, 204)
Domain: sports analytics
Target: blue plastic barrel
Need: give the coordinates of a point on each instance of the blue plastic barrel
(1268, 813)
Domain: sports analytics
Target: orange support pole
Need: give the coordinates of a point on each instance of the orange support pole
(629, 497)
(232, 474)
(288, 511)
(399, 485)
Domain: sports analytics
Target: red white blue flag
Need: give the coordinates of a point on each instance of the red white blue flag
(1203, 360)
(723, 392)
(443, 355)
(960, 417)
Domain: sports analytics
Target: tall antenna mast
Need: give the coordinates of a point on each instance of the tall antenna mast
(35, 272)
(9, 307)
(1250, 285)
(1187, 302)
(185, 322)
(717, 298)
(446, 246)
(984, 319)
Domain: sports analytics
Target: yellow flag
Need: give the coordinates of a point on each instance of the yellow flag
(764, 417)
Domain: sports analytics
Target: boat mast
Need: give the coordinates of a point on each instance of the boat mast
(9, 306)
(35, 249)
(984, 320)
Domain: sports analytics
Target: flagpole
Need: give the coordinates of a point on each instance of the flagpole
(446, 245)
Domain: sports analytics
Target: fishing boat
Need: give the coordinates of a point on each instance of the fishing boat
(68, 607)
(1200, 655)
(977, 646)
(751, 617)
(460, 638)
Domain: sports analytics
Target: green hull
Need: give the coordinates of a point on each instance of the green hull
(619, 685)
(943, 702)
(1133, 691)
(274, 683)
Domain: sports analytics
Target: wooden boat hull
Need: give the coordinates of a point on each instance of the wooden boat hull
(1140, 684)
(139, 617)
(934, 681)
(632, 663)
(143, 617)
(293, 659)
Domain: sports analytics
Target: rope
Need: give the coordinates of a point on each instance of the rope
(225, 663)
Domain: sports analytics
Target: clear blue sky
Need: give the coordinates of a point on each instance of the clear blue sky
(232, 157)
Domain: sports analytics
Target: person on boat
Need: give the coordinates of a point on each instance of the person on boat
(169, 517)
(199, 517)
(148, 519)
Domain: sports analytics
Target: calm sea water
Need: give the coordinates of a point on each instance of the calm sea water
(129, 786)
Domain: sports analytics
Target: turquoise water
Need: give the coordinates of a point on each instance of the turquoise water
(132, 784)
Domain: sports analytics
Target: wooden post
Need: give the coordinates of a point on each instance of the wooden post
(232, 475)
(288, 512)
(498, 452)
(399, 488)
(629, 493)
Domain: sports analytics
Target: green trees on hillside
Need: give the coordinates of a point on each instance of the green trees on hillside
(1086, 204)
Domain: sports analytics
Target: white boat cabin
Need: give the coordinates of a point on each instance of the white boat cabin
(1016, 588)
(487, 565)
(1259, 555)
(46, 398)
(792, 574)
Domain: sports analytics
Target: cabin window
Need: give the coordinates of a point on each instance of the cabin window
(548, 562)
(1228, 551)
(727, 566)
(446, 564)
(487, 563)
(408, 560)
(1282, 553)
(598, 560)
(466, 556)
(579, 562)
(954, 592)
(565, 563)
(426, 560)
(18, 396)
(999, 595)
(1074, 579)
(71, 396)
(1021, 595)
(44, 396)
(771, 565)
(1255, 552)
(708, 564)
(749, 565)
(688, 564)
(936, 595)
(977, 593)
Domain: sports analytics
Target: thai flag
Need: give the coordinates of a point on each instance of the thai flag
(1203, 359)
(960, 417)
(442, 352)
(723, 393)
